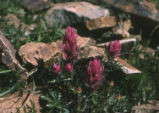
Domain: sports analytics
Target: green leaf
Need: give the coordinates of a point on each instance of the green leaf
(5, 71)
(8, 91)
(66, 110)
(53, 81)
(50, 105)
(33, 106)
(94, 101)
(52, 94)
(17, 110)
(46, 98)
(24, 109)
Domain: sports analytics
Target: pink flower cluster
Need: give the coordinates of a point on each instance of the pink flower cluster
(70, 47)
(94, 71)
(69, 67)
(56, 68)
(115, 48)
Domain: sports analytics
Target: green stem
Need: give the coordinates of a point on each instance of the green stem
(8, 91)
(78, 104)
(5, 71)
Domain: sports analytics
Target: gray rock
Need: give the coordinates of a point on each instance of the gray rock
(73, 13)
(36, 5)
(144, 10)
(8, 54)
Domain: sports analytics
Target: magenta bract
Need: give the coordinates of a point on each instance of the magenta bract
(56, 68)
(94, 71)
(70, 47)
(115, 48)
(69, 67)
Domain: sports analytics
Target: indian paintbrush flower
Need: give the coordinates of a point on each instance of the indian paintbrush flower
(94, 71)
(115, 48)
(70, 47)
(56, 68)
(69, 67)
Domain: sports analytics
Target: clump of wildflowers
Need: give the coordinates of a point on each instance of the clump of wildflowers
(56, 68)
(94, 71)
(69, 67)
(70, 47)
(115, 48)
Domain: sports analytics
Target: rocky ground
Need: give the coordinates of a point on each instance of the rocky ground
(129, 22)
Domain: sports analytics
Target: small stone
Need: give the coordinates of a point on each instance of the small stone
(85, 41)
(125, 67)
(102, 22)
(88, 48)
(92, 52)
(73, 12)
(138, 37)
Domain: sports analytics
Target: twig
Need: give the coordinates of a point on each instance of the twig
(154, 30)
(28, 94)
(121, 42)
